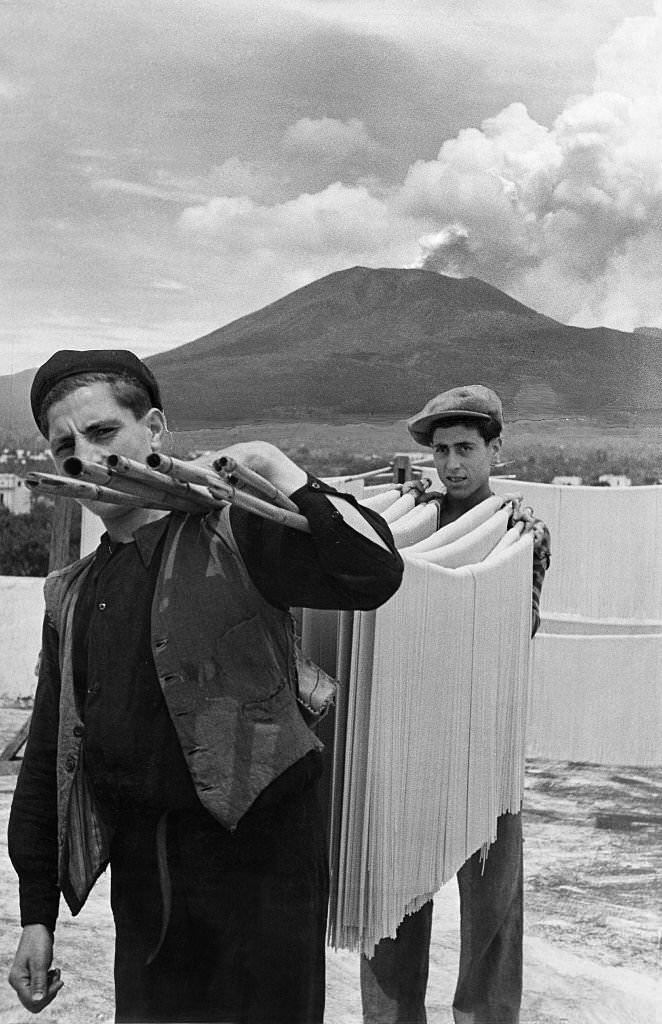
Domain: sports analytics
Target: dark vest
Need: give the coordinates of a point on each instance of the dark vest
(225, 659)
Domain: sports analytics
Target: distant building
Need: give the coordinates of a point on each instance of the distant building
(567, 481)
(14, 495)
(614, 480)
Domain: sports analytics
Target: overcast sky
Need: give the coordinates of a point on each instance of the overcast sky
(170, 165)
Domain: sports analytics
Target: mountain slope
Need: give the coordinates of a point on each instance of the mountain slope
(365, 342)
(362, 343)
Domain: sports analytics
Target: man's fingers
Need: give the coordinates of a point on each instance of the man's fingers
(38, 983)
(30, 976)
(43, 991)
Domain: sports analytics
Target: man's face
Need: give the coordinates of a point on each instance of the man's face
(463, 459)
(90, 424)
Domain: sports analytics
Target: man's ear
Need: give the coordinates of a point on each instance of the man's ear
(156, 423)
(495, 446)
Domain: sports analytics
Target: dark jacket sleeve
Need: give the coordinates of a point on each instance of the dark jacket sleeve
(32, 834)
(332, 567)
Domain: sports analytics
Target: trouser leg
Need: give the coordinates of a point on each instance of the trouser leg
(394, 980)
(286, 950)
(246, 939)
(489, 988)
(142, 992)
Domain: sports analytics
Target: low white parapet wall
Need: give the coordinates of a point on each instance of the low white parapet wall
(21, 616)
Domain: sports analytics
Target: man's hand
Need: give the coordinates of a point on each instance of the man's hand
(35, 985)
(419, 485)
(524, 514)
(421, 489)
(267, 460)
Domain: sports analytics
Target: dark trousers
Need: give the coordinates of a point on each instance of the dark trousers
(245, 941)
(489, 986)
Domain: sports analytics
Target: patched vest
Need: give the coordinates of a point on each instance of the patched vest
(225, 660)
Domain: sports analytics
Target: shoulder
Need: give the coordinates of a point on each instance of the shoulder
(70, 571)
(59, 582)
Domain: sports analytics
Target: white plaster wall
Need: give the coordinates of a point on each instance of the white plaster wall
(21, 614)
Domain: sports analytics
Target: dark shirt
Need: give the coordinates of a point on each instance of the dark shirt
(130, 748)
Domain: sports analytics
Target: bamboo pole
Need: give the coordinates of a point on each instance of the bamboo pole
(194, 473)
(228, 466)
(177, 487)
(63, 487)
(159, 493)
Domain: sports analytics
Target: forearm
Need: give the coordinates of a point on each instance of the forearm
(335, 566)
(32, 832)
(32, 842)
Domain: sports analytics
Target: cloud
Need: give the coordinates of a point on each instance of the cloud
(328, 136)
(167, 285)
(135, 188)
(568, 218)
(10, 90)
(247, 147)
(347, 223)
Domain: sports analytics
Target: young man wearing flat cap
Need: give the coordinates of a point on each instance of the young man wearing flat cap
(166, 738)
(463, 428)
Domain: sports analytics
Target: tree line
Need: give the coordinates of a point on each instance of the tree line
(25, 540)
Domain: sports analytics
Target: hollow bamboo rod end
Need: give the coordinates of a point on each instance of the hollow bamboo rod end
(73, 466)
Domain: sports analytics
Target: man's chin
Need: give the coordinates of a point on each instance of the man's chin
(103, 509)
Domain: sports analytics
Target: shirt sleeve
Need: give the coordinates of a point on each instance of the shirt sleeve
(332, 567)
(541, 560)
(32, 833)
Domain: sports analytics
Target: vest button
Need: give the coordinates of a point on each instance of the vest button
(70, 763)
(79, 730)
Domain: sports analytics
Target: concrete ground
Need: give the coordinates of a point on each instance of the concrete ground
(593, 918)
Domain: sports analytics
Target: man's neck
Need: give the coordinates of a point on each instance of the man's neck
(453, 508)
(122, 528)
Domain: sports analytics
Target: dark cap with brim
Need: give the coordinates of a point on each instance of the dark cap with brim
(70, 363)
(474, 401)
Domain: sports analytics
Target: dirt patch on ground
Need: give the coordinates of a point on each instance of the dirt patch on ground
(593, 920)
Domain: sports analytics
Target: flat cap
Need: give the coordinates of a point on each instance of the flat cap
(70, 362)
(472, 401)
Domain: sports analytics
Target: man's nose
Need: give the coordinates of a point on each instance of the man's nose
(87, 451)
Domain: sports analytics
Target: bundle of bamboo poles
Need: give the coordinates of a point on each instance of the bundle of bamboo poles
(170, 484)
